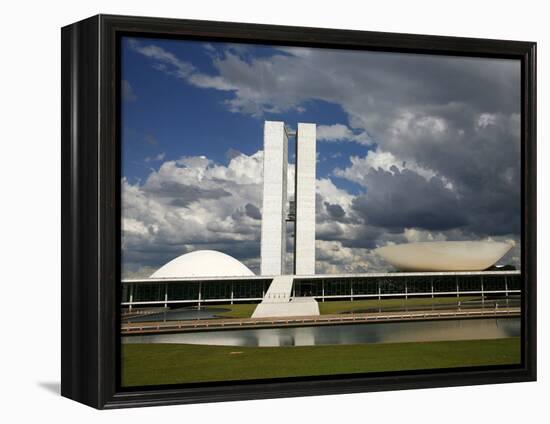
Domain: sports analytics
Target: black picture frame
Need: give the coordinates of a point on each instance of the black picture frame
(91, 209)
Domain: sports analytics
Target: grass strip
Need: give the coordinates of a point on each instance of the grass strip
(156, 364)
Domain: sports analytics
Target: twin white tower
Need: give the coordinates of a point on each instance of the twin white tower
(276, 210)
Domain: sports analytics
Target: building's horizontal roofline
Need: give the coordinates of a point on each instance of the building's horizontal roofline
(322, 276)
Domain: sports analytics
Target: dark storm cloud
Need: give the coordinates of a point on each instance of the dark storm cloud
(402, 199)
(252, 211)
(335, 211)
(456, 116)
(160, 253)
(482, 163)
(422, 108)
(153, 255)
(182, 194)
(369, 237)
(451, 125)
(370, 84)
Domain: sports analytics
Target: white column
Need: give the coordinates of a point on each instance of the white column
(506, 286)
(304, 243)
(379, 297)
(131, 297)
(273, 244)
(200, 295)
(482, 293)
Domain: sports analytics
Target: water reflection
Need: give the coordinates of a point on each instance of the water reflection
(417, 331)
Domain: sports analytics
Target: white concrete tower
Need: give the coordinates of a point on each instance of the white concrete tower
(273, 245)
(306, 158)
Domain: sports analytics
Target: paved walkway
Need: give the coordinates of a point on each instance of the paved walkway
(236, 323)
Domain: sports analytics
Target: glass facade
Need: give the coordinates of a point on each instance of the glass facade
(443, 284)
(472, 283)
(513, 282)
(364, 286)
(190, 290)
(398, 285)
(308, 288)
(342, 287)
(419, 285)
(148, 292)
(392, 285)
(178, 291)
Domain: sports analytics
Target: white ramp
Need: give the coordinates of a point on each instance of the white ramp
(280, 290)
(278, 302)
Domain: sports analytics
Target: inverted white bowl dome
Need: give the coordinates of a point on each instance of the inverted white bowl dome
(203, 263)
(444, 255)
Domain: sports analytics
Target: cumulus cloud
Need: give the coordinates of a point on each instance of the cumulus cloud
(379, 160)
(163, 58)
(194, 203)
(444, 161)
(191, 203)
(339, 132)
(332, 257)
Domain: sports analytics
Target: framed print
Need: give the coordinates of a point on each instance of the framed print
(253, 211)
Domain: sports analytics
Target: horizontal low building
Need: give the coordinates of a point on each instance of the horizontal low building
(239, 289)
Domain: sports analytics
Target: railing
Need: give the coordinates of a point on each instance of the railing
(135, 328)
(281, 295)
(142, 312)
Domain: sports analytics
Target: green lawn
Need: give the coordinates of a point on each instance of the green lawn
(237, 310)
(336, 307)
(245, 310)
(146, 364)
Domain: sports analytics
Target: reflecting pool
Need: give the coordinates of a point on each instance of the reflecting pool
(389, 332)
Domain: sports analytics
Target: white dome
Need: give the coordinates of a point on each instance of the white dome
(203, 263)
(444, 255)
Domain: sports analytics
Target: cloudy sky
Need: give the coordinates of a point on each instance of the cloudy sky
(410, 148)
